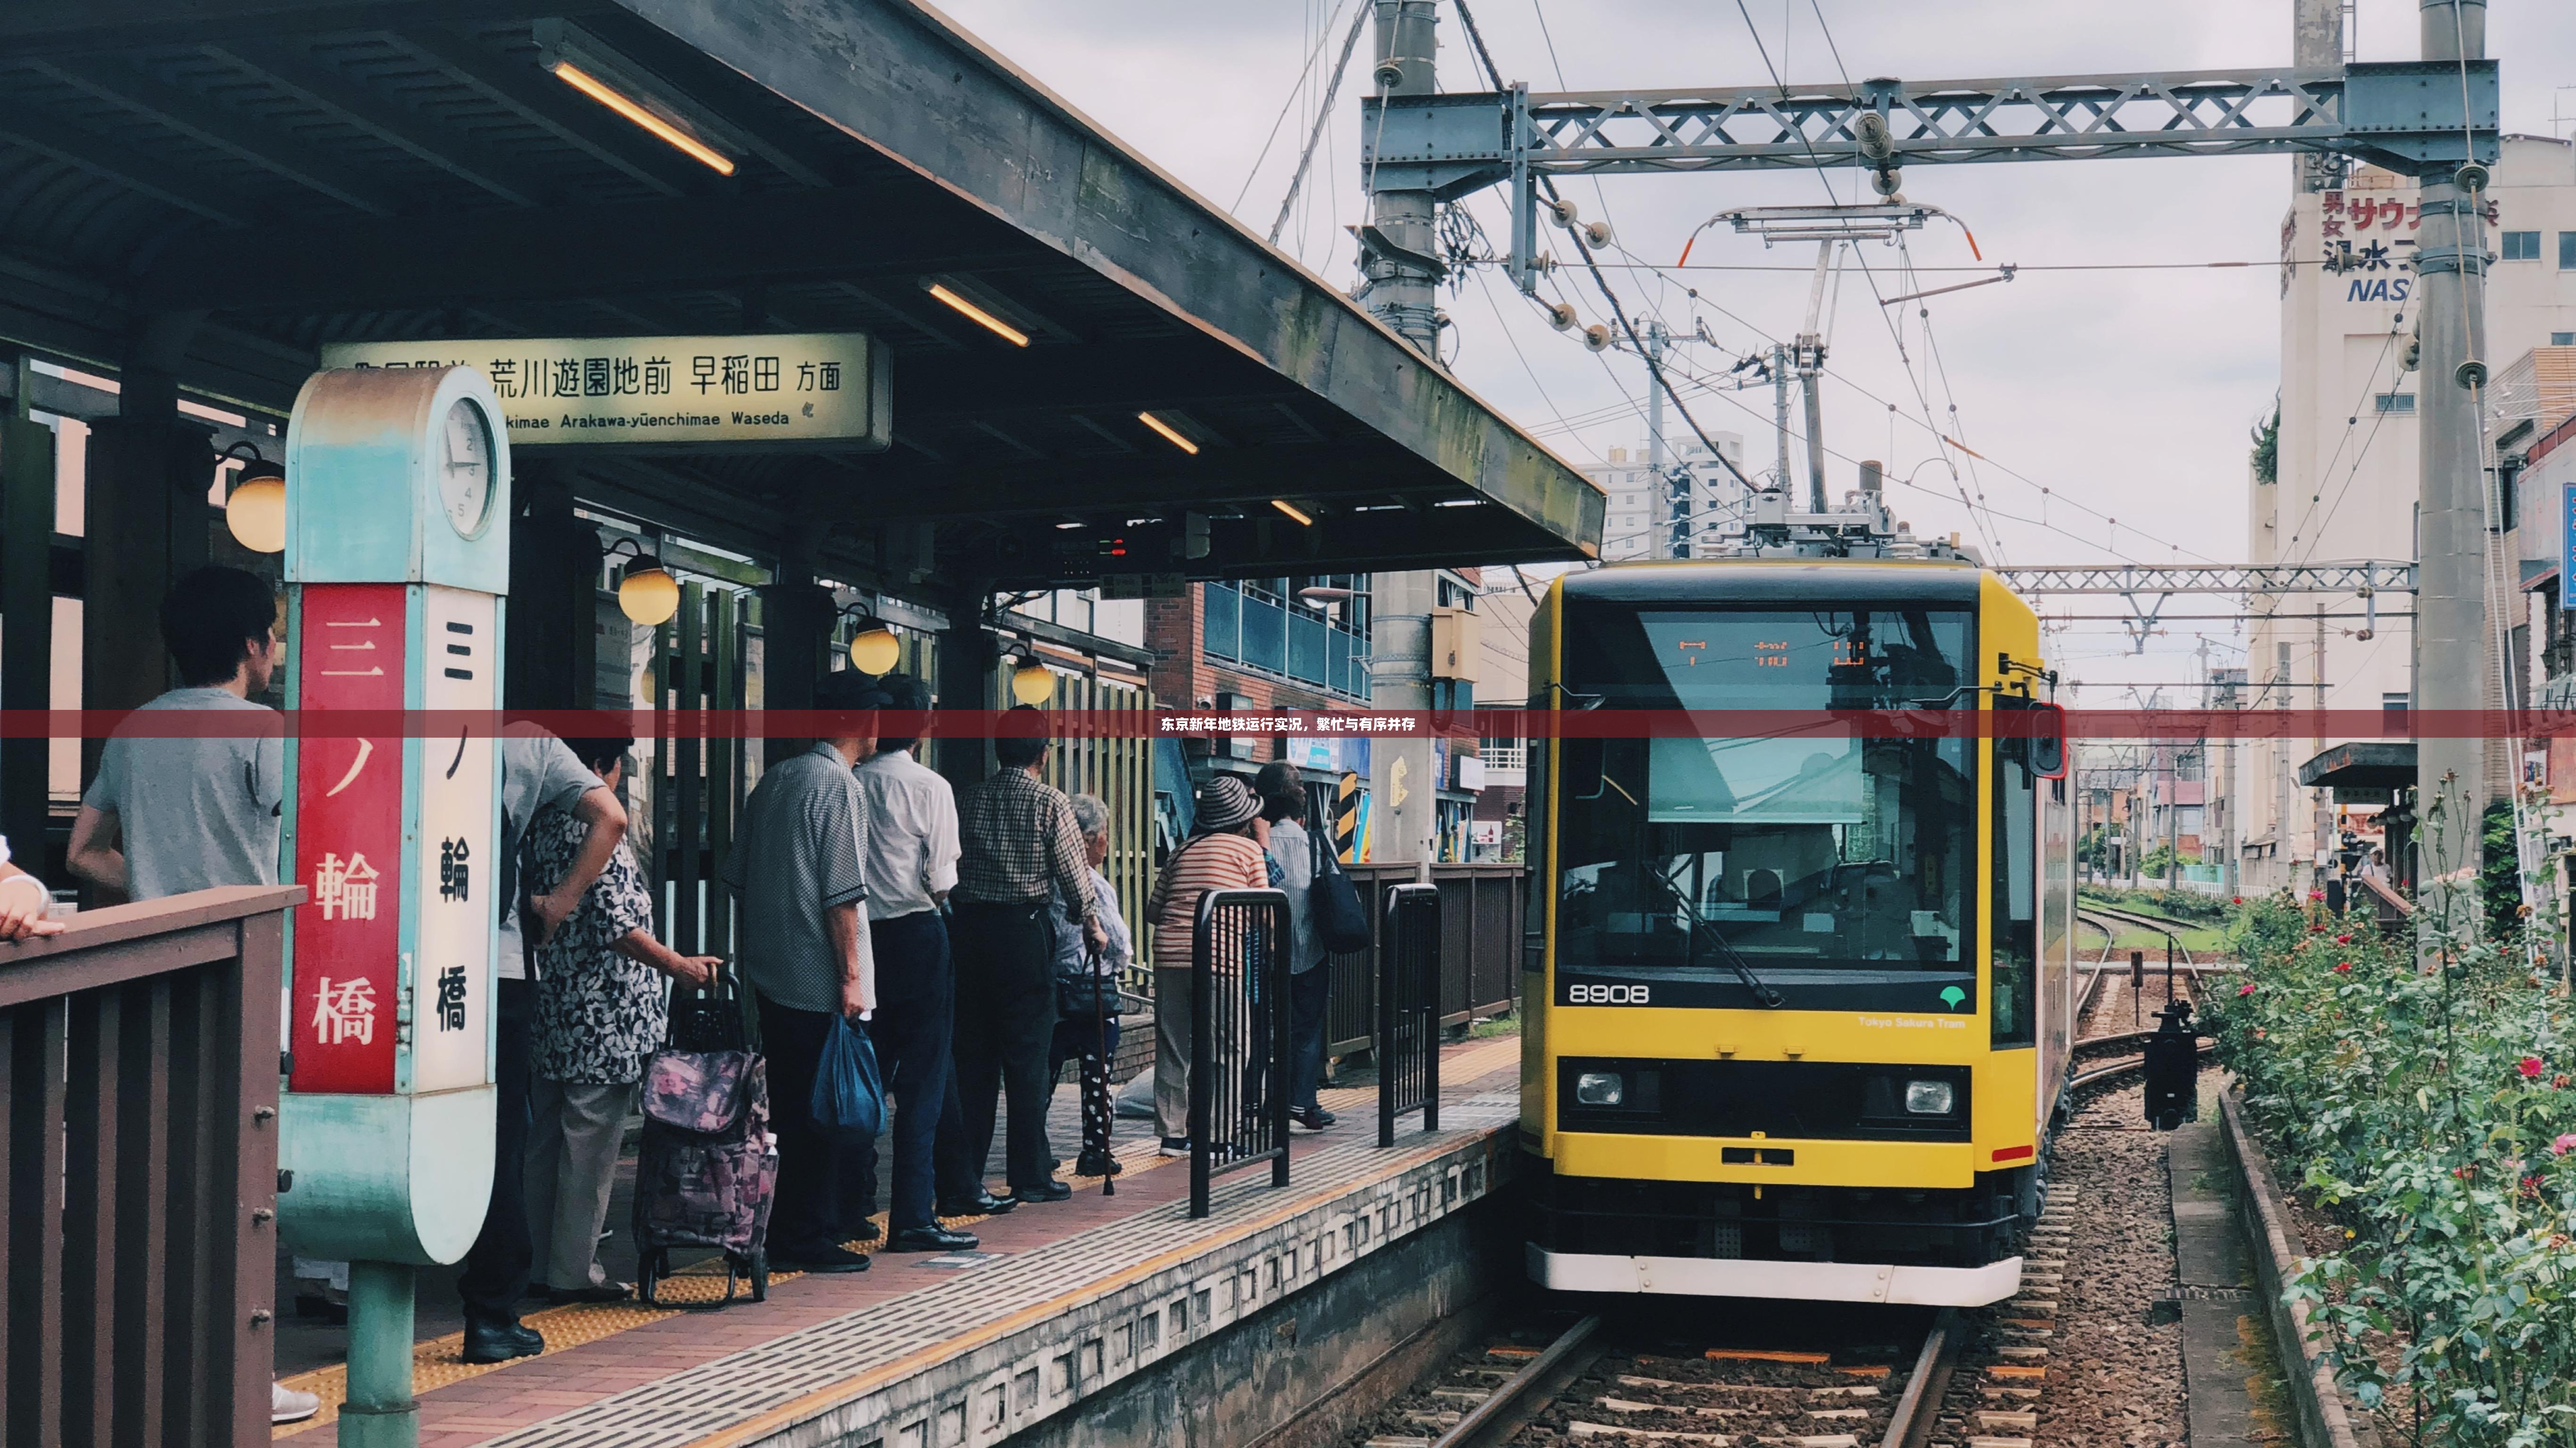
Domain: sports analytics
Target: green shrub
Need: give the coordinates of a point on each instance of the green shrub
(2426, 1108)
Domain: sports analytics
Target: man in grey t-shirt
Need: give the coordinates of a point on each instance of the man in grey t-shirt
(171, 812)
(538, 772)
(797, 867)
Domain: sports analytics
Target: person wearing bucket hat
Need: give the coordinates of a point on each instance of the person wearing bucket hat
(1221, 855)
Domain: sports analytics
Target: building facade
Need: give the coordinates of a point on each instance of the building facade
(2346, 478)
(1655, 514)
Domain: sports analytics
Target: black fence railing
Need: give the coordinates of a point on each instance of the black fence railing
(1238, 1038)
(1408, 1009)
(138, 1172)
(1480, 950)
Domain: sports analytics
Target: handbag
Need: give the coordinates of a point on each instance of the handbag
(849, 1095)
(1333, 902)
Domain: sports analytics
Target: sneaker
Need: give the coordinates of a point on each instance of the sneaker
(1174, 1146)
(285, 1405)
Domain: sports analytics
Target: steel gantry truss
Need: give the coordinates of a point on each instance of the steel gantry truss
(2402, 114)
(2131, 580)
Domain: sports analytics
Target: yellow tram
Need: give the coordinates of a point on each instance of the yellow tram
(1798, 1001)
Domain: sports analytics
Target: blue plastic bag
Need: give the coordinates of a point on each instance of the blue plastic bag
(849, 1095)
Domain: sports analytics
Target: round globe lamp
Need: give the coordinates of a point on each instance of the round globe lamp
(648, 594)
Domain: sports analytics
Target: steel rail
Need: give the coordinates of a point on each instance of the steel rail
(1919, 1406)
(1518, 1402)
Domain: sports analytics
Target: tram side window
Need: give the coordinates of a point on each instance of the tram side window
(2015, 910)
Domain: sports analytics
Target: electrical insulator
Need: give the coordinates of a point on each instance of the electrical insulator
(1597, 234)
(1564, 212)
(1561, 316)
(1596, 338)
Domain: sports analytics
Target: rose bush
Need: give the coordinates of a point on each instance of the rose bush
(2424, 1107)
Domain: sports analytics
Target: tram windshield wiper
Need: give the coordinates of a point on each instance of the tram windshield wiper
(1763, 992)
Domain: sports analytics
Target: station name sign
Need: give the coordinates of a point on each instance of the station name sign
(800, 390)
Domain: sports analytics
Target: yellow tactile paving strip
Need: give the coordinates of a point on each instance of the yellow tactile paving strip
(440, 1361)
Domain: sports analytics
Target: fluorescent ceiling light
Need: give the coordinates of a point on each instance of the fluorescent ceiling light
(1167, 433)
(642, 116)
(996, 325)
(1284, 507)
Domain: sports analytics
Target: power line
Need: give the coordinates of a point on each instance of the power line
(1282, 118)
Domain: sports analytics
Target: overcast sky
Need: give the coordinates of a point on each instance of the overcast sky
(2127, 392)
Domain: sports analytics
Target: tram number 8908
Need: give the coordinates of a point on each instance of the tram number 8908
(1605, 995)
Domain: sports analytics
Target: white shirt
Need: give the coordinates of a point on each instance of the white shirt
(911, 855)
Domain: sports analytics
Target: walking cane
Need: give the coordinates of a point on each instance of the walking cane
(1108, 1104)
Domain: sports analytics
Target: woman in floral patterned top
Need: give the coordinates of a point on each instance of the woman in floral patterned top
(600, 1017)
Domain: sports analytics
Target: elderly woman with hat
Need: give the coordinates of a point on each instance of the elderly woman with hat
(1222, 853)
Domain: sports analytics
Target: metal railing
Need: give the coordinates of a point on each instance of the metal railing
(1480, 949)
(1239, 1045)
(1408, 1012)
(138, 1111)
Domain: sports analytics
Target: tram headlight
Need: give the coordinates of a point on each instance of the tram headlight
(1930, 1098)
(1600, 1088)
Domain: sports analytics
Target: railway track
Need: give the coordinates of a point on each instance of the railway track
(1964, 1377)
(1849, 1388)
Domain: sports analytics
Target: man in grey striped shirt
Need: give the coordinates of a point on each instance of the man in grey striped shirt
(797, 868)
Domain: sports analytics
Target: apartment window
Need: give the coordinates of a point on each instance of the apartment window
(2567, 251)
(2400, 403)
(2522, 246)
(2392, 711)
(2562, 339)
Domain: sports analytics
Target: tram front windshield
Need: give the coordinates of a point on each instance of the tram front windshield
(1801, 842)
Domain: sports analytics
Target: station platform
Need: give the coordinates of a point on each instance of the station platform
(1060, 1303)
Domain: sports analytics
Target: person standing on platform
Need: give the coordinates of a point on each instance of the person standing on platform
(1019, 847)
(539, 772)
(169, 815)
(600, 1016)
(1090, 1035)
(1221, 854)
(911, 867)
(1283, 804)
(798, 869)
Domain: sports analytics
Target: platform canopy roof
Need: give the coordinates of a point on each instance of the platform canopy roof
(227, 185)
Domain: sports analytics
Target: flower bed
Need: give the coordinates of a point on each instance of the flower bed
(2428, 1111)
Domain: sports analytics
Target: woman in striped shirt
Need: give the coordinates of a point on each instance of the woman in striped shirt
(1221, 854)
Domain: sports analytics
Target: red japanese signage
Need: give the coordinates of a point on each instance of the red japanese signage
(348, 844)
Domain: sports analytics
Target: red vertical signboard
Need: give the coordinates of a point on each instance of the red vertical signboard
(348, 843)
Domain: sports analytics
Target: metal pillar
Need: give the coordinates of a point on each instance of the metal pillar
(1400, 248)
(27, 605)
(1405, 794)
(2452, 647)
(2317, 43)
(380, 1411)
(1780, 406)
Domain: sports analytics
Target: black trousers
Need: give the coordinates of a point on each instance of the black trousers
(496, 1266)
(806, 1211)
(1308, 992)
(916, 994)
(1005, 1018)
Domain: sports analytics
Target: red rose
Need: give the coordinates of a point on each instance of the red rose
(2245, 990)
(2316, 894)
(2531, 1068)
(2343, 968)
(2343, 940)
(2239, 900)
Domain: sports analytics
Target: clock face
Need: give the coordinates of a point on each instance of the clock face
(463, 458)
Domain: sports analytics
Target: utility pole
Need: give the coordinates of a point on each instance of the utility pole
(2451, 643)
(1780, 406)
(1811, 365)
(1401, 263)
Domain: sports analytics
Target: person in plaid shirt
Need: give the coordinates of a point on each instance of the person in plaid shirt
(1019, 845)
